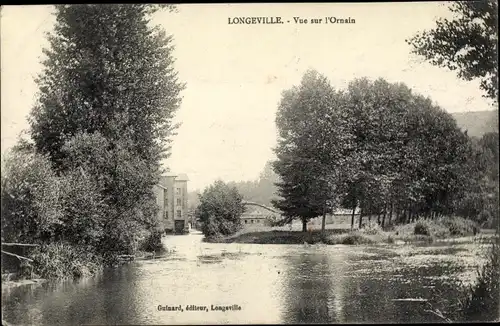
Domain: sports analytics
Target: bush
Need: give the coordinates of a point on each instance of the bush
(421, 228)
(152, 242)
(63, 261)
(84, 209)
(440, 228)
(459, 226)
(216, 227)
(352, 238)
(372, 228)
(31, 198)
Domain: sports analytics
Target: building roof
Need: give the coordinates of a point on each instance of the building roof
(254, 216)
(160, 186)
(177, 176)
(182, 177)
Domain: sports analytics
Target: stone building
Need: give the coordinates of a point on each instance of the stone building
(171, 197)
(255, 216)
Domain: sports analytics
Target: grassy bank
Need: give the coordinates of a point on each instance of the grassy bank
(60, 260)
(420, 231)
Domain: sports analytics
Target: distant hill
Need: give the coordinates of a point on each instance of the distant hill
(477, 123)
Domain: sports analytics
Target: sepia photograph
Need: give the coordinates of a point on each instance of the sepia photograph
(250, 163)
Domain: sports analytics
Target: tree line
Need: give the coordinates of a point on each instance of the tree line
(380, 147)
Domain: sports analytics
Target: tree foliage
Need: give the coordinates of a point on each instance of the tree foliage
(106, 70)
(468, 43)
(262, 190)
(103, 122)
(312, 148)
(220, 209)
(375, 145)
(31, 198)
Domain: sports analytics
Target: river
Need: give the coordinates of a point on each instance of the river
(270, 283)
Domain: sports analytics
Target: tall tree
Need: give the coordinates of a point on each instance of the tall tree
(107, 96)
(406, 150)
(106, 70)
(468, 43)
(306, 125)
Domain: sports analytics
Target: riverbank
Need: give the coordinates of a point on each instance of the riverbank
(11, 284)
(449, 229)
(333, 237)
(58, 261)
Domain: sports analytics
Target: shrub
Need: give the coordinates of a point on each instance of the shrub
(421, 228)
(459, 226)
(216, 227)
(372, 228)
(84, 209)
(152, 242)
(352, 238)
(31, 198)
(62, 261)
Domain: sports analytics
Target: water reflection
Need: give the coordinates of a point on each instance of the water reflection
(272, 284)
(308, 297)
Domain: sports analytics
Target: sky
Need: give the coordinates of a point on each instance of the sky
(235, 73)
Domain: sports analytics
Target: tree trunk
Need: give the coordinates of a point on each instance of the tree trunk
(378, 217)
(352, 217)
(385, 214)
(370, 213)
(323, 222)
(304, 225)
(390, 212)
(360, 218)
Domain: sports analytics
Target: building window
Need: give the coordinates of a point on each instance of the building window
(246, 221)
(179, 202)
(251, 221)
(179, 213)
(178, 191)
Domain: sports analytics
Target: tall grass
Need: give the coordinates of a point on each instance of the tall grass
(65, 261)
(480, 301)
(444, 227)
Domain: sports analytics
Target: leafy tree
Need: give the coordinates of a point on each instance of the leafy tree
(468, 43)
(107, 97)
(84, 212)
(108, 71)
(111, 172)
(31, 198)
(406, 152)
(220, 209)
(479, 199)
(304, 152)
